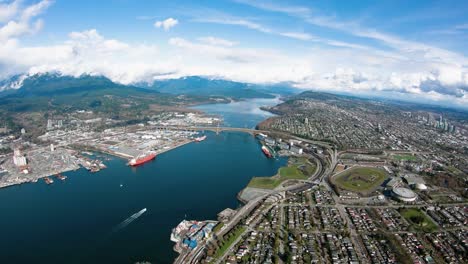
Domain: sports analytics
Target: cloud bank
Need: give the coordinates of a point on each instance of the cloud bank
(406, 68)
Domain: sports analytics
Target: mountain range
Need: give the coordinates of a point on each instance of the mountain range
(49, 84)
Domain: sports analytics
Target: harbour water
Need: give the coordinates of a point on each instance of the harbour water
(72, 221)
(245, 114)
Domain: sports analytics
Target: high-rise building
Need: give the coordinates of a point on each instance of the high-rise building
(50, 124)
(452, 129)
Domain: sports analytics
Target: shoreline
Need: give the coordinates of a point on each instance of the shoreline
(124, 156)
(36, 179)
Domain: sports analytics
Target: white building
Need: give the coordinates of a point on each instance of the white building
(296, 150)
(19, 161)
(404, 194)
(18, 158)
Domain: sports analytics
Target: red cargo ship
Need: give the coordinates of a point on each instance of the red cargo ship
(142, 159)
(266, 152)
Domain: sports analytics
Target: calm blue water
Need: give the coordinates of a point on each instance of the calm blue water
(72, 221)
(245, 114)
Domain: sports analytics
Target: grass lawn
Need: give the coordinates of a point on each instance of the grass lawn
(418, 220)
(360, 179)
(290, 172)
(298, 169)
(405, 157)
(230, 238)
(218, 227)
(264, 182)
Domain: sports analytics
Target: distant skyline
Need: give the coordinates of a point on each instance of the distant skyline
(413, 50)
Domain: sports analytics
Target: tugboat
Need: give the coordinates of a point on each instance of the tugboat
(61, 177)
(94, 169)
(48, 180)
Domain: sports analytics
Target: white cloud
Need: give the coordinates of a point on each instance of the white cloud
(35, 10)
(354, 28)
(357, 71)
(166, 24)
(234, 21)
(20, 20)
(217, 41)
(292, 10)
(225, 19)
(462, 26)
(297, 35)
(88, 52)
(8, 10)
(412, 69)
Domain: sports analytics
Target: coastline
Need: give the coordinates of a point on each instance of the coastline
(76, 166)
(43, 162)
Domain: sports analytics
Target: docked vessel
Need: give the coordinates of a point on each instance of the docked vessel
(178, 232)
(61, 177)
(266, 152)
(190, 234)
(198, 139)
(48, 180)
(142, 159)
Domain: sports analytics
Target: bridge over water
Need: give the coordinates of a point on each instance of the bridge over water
(214, 129)
(246, 130)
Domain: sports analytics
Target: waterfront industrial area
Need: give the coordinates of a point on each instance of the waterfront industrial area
(66, 146)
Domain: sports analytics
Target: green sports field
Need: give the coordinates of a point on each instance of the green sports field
(418, 220)
(405, 157)
(360, 179)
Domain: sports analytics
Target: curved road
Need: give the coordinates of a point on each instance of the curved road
(321, 173)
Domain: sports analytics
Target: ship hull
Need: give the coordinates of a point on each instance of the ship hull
(266, 152)
(200, 139)
(141, 161)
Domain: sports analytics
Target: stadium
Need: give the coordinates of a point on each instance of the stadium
(404, 194)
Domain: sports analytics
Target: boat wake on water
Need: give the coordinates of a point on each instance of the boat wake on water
(127, 221)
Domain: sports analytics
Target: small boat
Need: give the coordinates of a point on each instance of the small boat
(61, 177)
(48, 180)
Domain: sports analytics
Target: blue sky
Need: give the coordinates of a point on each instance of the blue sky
(411, 49)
